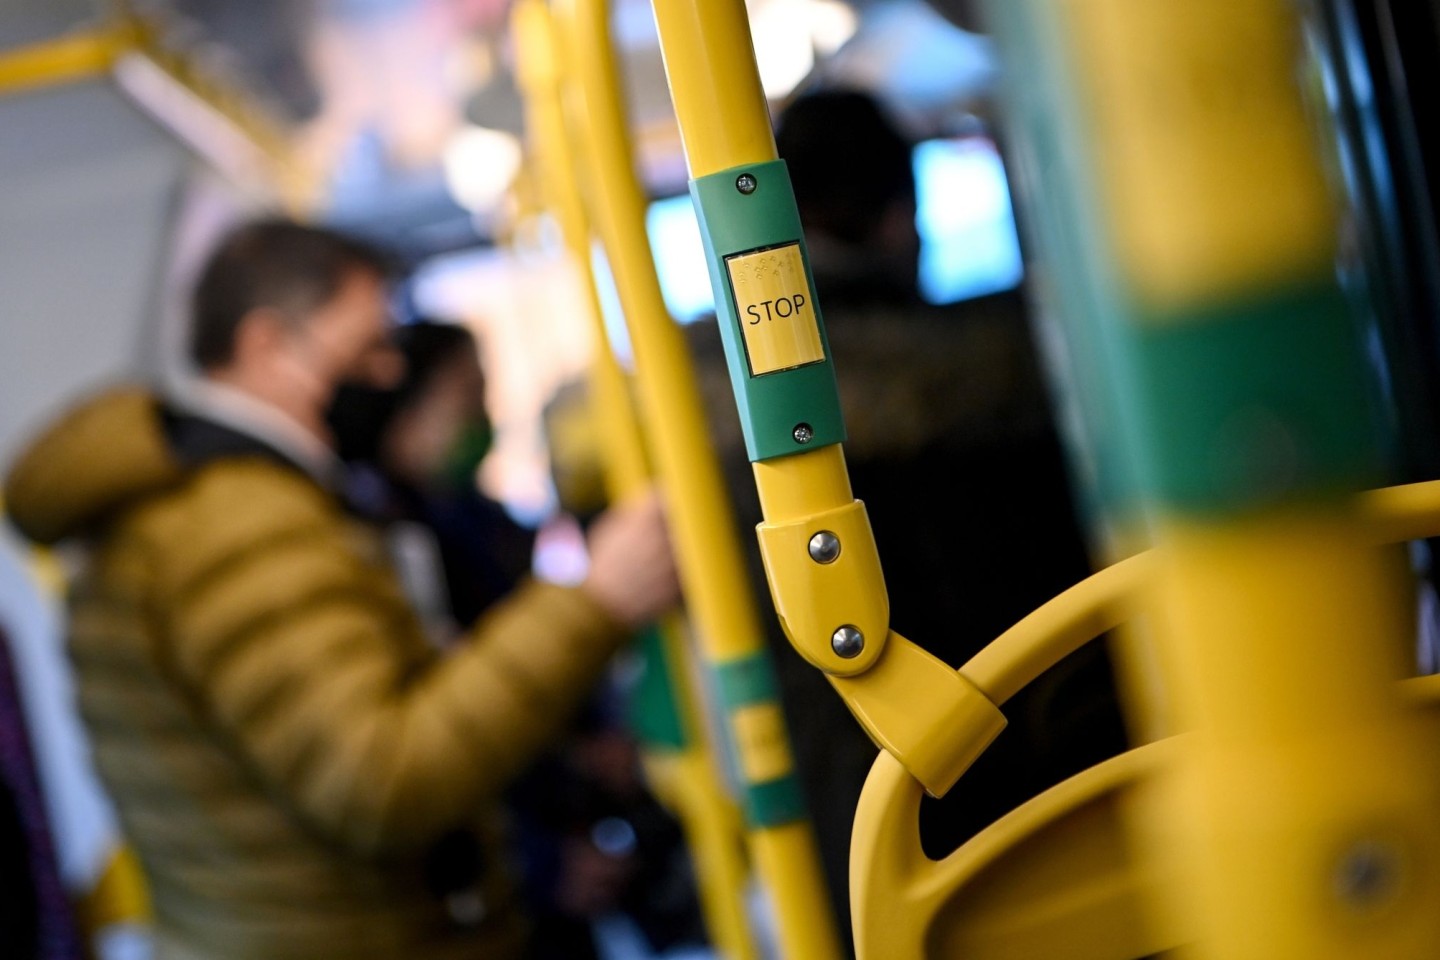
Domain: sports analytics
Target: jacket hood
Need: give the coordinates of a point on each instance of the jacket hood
(109, 450)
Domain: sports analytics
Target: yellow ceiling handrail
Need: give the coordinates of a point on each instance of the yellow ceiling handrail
(130, 45)
(63, 60)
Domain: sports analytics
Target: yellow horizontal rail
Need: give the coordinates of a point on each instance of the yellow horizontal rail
(64, 60)
(129, 47)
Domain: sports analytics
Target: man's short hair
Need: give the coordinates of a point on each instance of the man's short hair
(276, 263)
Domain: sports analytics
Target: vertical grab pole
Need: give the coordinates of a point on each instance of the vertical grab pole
(680, 763)
(725, 126)
(1184, 211)
(712, 571)
(819, 551)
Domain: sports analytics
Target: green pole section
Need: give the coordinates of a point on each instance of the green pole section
(1215, 401)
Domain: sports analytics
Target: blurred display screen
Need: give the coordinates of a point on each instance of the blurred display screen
(968, 242)
(680, 258)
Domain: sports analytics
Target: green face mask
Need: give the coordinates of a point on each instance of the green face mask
(470, 446)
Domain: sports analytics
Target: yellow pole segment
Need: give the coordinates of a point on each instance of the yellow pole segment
(702, 524)
(711, 67)
(714, 830)
(64, 60)
(688, 779)
(134, 42)
(803, 484)
(1407, 512)
(1301, 815)
(626, 469)
(724, 123)
(705, 539)
(710, 62)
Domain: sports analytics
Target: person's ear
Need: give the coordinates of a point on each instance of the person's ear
(259, 336)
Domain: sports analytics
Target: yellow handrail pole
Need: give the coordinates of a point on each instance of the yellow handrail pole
(710, 62)
(1407, 512)
(713, 828)
(688, 779)
(539, 76)
(1299, 817)
(724, 123)
(130, 46)
(712, 571)
(831, 599)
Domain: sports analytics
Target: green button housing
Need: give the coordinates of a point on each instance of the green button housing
(772, 405)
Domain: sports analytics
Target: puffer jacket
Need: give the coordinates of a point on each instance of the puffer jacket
(284, 747)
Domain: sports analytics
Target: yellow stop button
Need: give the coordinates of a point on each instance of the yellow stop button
(777, 315)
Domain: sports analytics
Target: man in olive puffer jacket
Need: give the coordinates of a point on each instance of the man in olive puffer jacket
(301, 774)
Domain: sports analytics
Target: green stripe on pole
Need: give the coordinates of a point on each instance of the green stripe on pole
(1228, 405)
(654, 712)
(775, 802)
(747, 681)
(1248, 403)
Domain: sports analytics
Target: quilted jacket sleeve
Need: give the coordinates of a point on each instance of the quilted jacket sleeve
(309, 661)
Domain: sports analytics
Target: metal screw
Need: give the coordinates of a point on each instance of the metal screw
(824, 547)
(803, 433)
(746, 183)
(1368, 875)
(847, 642)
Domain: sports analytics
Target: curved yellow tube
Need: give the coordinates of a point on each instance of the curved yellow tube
(1409, 511)
(1061, 626)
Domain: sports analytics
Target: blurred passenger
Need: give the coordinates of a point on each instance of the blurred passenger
(414, 449)
(953, 449)
(36, 918)
(591, 839)
(302, 774)
(855, 188)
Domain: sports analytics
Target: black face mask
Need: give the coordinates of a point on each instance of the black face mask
(358, 415)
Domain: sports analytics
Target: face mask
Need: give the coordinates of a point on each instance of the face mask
(354, 412)
(457, 471)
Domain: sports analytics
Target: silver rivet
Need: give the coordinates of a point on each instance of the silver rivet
(746, 183)
(847, 642)
(824, 547)
(1368, 875)
(803, 433)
